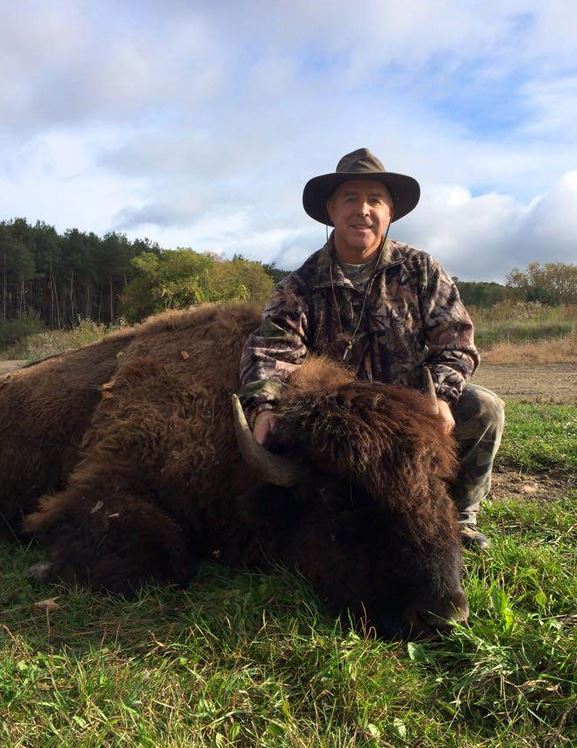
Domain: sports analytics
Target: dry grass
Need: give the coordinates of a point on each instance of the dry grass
(52, 342)
(551, 351)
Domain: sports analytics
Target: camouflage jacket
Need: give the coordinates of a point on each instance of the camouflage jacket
(413, 316)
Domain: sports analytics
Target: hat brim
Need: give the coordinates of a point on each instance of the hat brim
(404, 190)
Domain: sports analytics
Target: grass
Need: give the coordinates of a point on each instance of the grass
(531, 331)
(50, 342)
(540, 437)
(549, 335)
(522, 322)
(556, 350)
(246, 659)
(13, 330)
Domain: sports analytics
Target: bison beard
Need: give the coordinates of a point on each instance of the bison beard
(147, 479)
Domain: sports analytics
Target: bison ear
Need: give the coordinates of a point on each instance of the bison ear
(269, 467)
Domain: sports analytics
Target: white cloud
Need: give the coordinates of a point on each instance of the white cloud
(198, 124)
(483, 237)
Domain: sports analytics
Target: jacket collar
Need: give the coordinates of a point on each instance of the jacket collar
(327, 261)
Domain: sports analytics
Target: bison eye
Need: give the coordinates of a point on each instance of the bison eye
(333, 537)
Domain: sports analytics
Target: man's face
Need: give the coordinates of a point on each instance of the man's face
(360, 211)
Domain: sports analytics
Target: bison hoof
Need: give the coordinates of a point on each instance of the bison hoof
(39, 572)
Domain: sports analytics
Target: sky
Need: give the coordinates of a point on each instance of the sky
(197, 124)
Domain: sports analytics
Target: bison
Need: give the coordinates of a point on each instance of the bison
(131, 465)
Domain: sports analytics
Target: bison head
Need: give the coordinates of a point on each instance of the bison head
(364, 513)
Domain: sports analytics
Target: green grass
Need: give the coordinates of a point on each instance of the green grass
(531, 331)
(508, 321)
(540, 437)
(245, 659)
(522, 322)
(14, 330)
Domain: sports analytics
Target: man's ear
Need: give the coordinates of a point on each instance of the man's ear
(329, 208)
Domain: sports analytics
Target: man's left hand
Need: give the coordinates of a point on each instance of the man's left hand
(447, 420)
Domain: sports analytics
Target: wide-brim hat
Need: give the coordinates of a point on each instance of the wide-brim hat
(360, 164)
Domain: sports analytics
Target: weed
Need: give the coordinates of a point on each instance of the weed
(51, 342)
(521, 322)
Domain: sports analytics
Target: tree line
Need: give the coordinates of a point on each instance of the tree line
(552, 283)
(59, 278)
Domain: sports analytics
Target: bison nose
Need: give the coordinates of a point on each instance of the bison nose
(443, 618)
(437, 619)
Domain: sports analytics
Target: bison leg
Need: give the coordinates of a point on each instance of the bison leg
(116, 544)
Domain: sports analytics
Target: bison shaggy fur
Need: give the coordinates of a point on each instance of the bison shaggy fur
(126, 451)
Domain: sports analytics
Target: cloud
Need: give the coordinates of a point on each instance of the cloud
(200, 123)
(70, 63)
(484, 236)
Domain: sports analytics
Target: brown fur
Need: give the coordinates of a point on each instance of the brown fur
(159, 482)
(45, 410)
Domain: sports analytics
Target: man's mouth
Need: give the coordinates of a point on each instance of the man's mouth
(361, 226)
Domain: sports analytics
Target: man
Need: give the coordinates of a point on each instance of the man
(386, 310)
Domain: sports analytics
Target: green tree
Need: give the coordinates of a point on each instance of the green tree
(179, 278)
(16, 267)
(480, 293)
(551, 283)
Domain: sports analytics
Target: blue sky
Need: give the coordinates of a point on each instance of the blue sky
(197, 123)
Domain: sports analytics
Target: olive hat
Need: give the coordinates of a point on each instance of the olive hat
(360, 164)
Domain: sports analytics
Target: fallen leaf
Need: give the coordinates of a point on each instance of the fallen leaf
(185, 355)
(530, 488)
(47, 605)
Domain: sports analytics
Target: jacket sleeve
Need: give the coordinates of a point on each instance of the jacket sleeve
(452, 356)
(273, 351)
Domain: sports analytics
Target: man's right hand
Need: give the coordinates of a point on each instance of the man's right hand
(263, 425)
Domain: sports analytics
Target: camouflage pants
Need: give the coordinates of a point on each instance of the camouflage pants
(479, 421)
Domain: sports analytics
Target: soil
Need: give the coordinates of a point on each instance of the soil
(540, 383)
(6, 366)
(508, 483)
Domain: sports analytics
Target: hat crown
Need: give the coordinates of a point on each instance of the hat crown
(361, 161)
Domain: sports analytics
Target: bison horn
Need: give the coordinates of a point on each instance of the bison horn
(430, 387)
(269, 467)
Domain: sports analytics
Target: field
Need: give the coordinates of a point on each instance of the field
(246, 659)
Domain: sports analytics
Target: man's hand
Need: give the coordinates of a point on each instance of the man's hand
(447, 420)
(263, 425)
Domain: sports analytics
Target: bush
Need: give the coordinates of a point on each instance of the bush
(13, 330)
(180, 278)
(53, 342)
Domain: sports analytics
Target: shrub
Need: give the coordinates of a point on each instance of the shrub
(13, 330)
(53, 342)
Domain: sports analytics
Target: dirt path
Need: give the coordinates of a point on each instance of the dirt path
(554, 383)
(6, 366)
